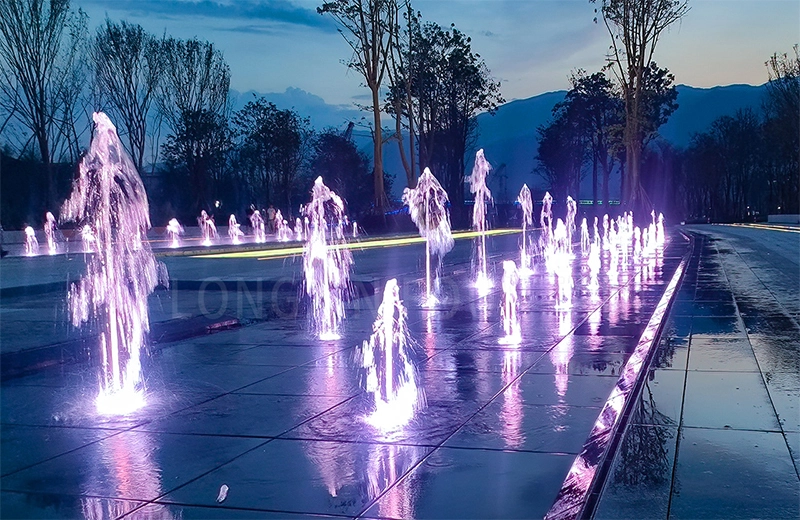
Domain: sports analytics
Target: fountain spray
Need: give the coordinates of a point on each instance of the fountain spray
(482, 195)
(427, 205)
(110, 198)
(526, 202)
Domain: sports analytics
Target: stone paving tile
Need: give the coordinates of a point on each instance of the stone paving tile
(639, 482)
(133, 465)
(470, 483)
(53, 505)
(734, 425)
(734, 474)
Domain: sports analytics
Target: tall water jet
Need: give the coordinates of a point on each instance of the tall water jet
(326, 265)
(477, 186)
(282, 231)
(109, 197)
(584, 236)
(526, 203)
(427, 205)
(508, 311)
(235, 232)
(50, 232)
(257, 223)
(572, 211)
(546, 216)
(174, 232)
(208, 229)
(31, 244)
(390, 376)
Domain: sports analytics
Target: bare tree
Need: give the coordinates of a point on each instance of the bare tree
(39, 40)
(635, 27)
(196, 79)
(366, 26)
(128, 68)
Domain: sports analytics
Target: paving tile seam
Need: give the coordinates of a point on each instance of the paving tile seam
(498, 393)
(731, 429)
(758, 364)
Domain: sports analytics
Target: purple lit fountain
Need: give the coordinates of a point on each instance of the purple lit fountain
(234, 230)
(174, 232)
(31, 244)
(390, 376)
(427, 204)
(50, 232)
(508, 311)
(110, 198)
(526, 202)
(477, 182)
(207, 227)
(257, 223)
(326, 265)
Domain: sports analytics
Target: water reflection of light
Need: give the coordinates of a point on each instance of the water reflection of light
(387, 463)
(511, 413)
(125, 470)
(560, 357)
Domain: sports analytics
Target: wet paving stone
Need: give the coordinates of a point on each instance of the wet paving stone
(737, 400)
(734, 474)
(640, 478)
(471, 483)
(730, 355)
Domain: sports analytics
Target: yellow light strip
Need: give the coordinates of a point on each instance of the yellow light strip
(771, 227)
(269, 254)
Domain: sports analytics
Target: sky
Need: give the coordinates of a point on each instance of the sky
(531, 46)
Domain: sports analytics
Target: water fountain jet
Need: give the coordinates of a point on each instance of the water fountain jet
(427, 205)
(478, 188)
(109, 197)
(326, 265)
(526, 202)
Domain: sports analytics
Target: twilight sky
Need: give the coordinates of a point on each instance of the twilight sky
(530, 45)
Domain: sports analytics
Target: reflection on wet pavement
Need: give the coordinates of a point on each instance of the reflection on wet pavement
(278, 416)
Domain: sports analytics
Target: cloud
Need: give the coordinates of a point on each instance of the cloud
(283, 12)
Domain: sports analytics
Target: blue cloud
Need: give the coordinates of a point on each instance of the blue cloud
(265, 11)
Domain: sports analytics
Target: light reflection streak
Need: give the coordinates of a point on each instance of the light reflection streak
(511, 413)
(125, 470)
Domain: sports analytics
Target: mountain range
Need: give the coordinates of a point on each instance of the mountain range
(509, 137)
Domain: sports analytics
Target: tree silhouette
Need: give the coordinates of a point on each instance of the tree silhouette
(366, 26)
(128, 68)
(635, 26)
(40, 44)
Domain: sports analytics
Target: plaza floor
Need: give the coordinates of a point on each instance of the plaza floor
(277, 416)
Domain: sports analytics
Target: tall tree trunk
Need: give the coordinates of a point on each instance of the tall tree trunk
(380, 193)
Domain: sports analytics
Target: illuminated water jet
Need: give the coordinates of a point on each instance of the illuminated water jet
(208, 228)
(110, 198)
(50, 232)
(257, 223)
(174, 232)
(511, 327)
(390, 376)
(31, 243)
(427, 205)
(480, 191)
(326, 265)
(526, 203)
(234, 231)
